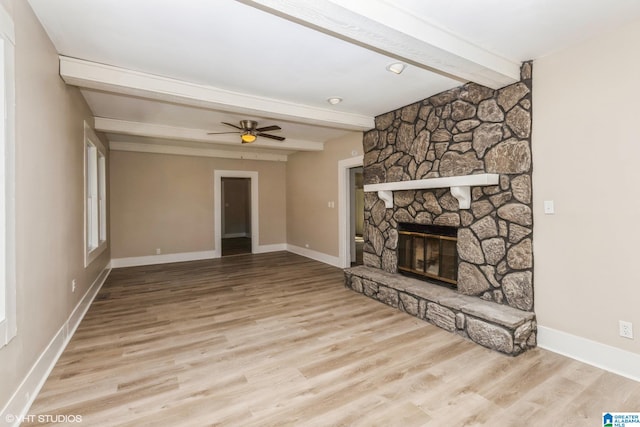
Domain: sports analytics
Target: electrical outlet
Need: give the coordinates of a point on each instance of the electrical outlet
(626, 329)
(73, 285)
(158, 251)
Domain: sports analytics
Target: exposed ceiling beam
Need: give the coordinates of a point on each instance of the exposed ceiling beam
(92, 75)
(139, 147)
(152, 130)
(384, 28)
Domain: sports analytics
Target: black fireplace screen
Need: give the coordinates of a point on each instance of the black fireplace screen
(429, 252)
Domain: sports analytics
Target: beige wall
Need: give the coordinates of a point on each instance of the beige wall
(586, 150)
(312, 181)
(50, 200)
(166, 201)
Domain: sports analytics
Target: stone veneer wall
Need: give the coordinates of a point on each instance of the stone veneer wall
(467, 130)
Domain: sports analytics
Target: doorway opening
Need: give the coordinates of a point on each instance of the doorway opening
(346, 208)
(356, 214)
(236, 216)
(222, 229)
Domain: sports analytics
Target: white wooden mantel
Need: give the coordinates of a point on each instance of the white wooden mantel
(460, 187)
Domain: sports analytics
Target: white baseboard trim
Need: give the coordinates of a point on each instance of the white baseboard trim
(318, 256)
(163, 258)
(262, 249)
(185, 256)
(600, 355)
(19, 404)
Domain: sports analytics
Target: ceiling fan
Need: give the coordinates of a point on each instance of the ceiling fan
(249, 131)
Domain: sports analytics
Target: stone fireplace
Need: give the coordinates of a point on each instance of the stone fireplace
(459, 159)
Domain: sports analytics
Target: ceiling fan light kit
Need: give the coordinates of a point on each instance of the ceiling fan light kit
(248, 138)
(249, 131)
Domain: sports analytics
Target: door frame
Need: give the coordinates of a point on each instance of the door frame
(344, 209)
(352, 210)
(217, 207)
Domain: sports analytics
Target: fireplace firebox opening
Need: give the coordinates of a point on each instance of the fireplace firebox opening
(428, 252)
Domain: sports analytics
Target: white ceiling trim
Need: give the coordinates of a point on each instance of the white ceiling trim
(92, 75)
(152, 130)
(385, 28)
(195, 152)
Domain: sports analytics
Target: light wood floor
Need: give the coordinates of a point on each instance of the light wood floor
(276, 340)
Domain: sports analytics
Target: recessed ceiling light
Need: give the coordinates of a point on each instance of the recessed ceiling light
(396, 67)
(334, 100)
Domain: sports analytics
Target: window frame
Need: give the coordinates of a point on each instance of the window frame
(8, 323)
(95, 197)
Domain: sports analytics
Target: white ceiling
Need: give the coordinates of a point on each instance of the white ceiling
(164, 73)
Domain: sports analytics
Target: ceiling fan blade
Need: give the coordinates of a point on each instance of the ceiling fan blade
(249, 126)
(232, 125)
(266, 135)
(268, 128)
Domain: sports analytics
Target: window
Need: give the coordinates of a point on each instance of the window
(7, 181)
(102, 197)
(95, 187)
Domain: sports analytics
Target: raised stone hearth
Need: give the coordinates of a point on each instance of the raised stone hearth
(498, 327)
(467, 131)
